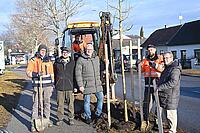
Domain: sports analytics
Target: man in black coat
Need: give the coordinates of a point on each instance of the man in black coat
(169, 90)
(63, 69)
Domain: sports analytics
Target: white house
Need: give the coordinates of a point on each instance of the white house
(182, 40)
(127, 40)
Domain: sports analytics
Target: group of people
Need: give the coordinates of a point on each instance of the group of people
(60, 75)
(167, 73)
(86, 70)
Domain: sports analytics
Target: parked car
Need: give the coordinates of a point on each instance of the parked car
(126, 63)
(7, 61)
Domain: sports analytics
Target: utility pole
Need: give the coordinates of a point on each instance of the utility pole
(122, 61)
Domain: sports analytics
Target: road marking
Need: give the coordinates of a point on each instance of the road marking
(196, 92)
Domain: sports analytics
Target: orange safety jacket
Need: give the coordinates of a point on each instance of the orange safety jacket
(45, 68)
(78, 47)
(149, 71)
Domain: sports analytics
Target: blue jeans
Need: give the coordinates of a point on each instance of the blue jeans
(87, 111)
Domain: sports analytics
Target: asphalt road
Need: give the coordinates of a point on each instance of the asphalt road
(189, 105)
(21, 116)
(188, 110)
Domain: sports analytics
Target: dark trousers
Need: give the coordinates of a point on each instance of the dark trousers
(149, 98)
(62, 97)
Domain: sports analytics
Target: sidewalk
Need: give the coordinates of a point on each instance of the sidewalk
(191, 72)
(21, 116)
(190, 75)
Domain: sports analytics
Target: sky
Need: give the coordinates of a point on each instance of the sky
(7, 7)
(151, 14)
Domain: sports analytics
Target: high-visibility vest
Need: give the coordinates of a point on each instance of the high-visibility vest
(78, 47)
(46, 68)
(149, 71)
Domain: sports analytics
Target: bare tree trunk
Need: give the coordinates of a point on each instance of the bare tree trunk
(122, 63)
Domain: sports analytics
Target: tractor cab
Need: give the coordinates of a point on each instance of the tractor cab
(99, 34)
(89, 32)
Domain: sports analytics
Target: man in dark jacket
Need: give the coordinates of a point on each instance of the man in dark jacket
(88, 80)
(63, 69)
(169, 90)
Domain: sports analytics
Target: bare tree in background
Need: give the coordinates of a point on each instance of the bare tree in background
(6, 37)
(55, 13)
(126, 10)
(123, 15)
(38, 20)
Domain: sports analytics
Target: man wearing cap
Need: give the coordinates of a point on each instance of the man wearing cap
(40, 65)
(88, 79)
(151, 67)
(63, 69)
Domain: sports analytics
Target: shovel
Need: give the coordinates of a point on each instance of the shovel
(160, 126)
(40, 122)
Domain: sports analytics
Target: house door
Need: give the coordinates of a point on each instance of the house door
(174, 54)
(184, 62)
(183, 54)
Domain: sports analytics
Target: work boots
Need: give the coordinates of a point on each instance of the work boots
(50, 124)
(33, 127)
(88, 121)
(144, 126)
(71, 121)
(58, 123)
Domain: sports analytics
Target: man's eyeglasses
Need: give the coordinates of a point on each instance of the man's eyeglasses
(167, 57)
(89, 49)
(65, 52)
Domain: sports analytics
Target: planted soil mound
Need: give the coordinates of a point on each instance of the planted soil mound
(118, 124)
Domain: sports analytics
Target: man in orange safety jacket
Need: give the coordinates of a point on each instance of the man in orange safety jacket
(151, 67)
(41, 66)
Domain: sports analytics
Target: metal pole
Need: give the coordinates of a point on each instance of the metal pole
(131, 72)
(160, 126)
(122, 62)
(41, 103)
(107, 86)
(113, 92)
(139, 82)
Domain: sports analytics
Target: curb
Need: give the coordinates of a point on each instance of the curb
(198, 76)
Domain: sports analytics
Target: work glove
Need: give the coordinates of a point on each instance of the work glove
(45, 59)
(75, 90)
(37, 54)
(152, 64)
(35, 75)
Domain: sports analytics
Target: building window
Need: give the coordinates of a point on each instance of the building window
(174, 54)
(183, 54)
(186, 63)
(197, 55)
